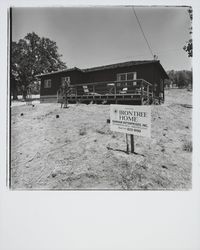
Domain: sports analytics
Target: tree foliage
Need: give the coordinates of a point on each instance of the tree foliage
(188, 47)
(180, 79)
(32, 56)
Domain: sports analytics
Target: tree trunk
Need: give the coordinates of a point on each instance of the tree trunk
(15, 97)
(24, 95)
(14, 89)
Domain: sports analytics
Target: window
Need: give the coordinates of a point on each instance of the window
(65, 79)
(122, 77)
(47, 83)
(130, 76)
(125, 77)
(85, 89)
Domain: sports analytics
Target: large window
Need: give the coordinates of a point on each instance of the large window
(125, 77)
(47, 83)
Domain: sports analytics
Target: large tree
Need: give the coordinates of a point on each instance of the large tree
(188, 47)
(32, 56)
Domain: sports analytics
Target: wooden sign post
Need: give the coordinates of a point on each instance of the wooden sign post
(133, 120)
(132, 144)
(127, 144)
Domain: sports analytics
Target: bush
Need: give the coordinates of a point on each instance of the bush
(82, 131)
(187, 146)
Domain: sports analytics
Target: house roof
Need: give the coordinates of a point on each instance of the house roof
(59, 71)
(118, 65)
(127, 64)
(111, 66)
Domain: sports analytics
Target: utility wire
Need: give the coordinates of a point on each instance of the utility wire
(143, 32)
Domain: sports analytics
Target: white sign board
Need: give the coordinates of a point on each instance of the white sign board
(129, 119)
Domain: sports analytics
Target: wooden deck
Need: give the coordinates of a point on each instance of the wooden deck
(135, 92)
(130, 91)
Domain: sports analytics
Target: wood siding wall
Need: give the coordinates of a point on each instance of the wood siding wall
(75, 78)
(148, 72)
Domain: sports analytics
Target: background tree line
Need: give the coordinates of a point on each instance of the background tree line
(31, 56)
(180, 79)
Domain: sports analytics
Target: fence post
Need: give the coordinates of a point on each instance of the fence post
(115, 92)
(142, 92)
(93, 90)
(148, 98)
(76, 97)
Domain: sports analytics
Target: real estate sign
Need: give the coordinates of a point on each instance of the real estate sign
(131, 119)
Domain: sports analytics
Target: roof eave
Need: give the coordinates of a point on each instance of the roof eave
(60, 71)
(163, 70)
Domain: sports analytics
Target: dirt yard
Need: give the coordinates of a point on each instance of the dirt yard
(77, 150)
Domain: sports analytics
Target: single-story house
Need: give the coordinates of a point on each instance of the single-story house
(116, 83)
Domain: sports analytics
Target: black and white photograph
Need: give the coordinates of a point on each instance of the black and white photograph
(100, 98)
(100, 125)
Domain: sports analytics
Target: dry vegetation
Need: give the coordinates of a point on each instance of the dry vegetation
(77, 150)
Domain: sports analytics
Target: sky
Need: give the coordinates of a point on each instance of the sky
(94, 36)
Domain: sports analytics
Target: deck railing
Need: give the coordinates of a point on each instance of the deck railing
(128, 89)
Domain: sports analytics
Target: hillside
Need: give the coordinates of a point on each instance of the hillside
(78, 150)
